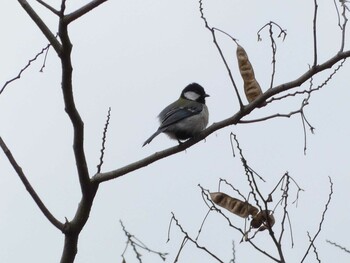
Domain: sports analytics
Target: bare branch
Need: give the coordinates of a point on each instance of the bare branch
(29, 188)
(283, 33)
(70, 107)
(187, 237)
(277, 115)
(233, 260)
(312, 241)
(44, 62)
(232, 187)
(42, 26)
(314, 247)
(249, 174)
(343, 27)
(53, 10)
(25, 67)
(104, 136)
(304, 103)
(136, 244)
(314, 29)
(212, 31)
(82, 11)
(338, 246)
(338, 15)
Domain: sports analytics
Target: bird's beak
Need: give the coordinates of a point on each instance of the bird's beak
(206, 95)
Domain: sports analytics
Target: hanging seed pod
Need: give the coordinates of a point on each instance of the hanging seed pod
(251, 86)
(262, 220)
(238, 207)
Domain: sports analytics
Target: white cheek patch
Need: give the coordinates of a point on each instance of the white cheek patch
(190, 95)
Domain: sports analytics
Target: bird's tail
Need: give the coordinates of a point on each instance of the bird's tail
(151, 138)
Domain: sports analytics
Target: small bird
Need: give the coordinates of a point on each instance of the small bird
(186, 117)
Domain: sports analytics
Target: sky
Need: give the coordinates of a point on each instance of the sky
(136, 57)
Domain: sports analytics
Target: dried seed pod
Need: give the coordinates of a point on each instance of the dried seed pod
(251, 86)
(262, 220)
(238, 207)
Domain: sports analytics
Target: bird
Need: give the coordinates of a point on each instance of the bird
(186, 117)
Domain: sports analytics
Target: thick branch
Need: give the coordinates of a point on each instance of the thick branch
(101, 177)
(82, 11)
(42, 26)
(78, 125)
(70, 248)
(29, 188)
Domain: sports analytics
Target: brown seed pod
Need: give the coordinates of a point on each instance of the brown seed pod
(263, 220)
(251, 86)
(238, 207)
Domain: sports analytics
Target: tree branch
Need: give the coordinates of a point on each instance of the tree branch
(312, 241)
(82, 11)
(42, 26)
(102, 177)
(29, 188)
(71, 110)
(24, 68)
(212, 31)
(104, 138)
(187, 237)
(53, 10)
(314, 29)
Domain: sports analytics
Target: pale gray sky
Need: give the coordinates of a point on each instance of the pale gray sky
(136, 57)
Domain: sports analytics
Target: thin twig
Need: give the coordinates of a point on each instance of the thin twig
(338, 246)
(285, 211)
(314, 247)
(314, 25)
(304, 103)
(232, 187)
(44, 61)
(53, 10)
(136, 243)
(283, 33)
(187, 237)
(212, 31)
(321, 222)
(343, 27)
(104, 137)
(338, 15)
(25, 67)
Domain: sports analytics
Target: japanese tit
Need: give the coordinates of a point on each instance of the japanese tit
(186, 117)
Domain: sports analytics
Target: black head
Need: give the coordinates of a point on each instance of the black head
(194, 92)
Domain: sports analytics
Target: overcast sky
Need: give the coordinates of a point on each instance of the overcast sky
(136, 57)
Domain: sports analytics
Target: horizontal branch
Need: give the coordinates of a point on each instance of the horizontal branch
(29, 188)
(102, 177)
(308, 74)
(82, 11)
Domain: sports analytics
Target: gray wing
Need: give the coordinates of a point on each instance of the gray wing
(171, 115)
